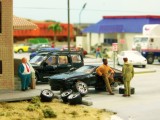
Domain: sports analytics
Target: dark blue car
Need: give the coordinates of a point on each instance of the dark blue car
(44, 50)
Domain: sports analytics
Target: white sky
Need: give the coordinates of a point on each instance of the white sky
(93, 12)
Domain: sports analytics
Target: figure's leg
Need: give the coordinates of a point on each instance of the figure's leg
(96, 54)
(108, 87)
(129, 88)
(23, 82)
(28, 79)
(125, 88)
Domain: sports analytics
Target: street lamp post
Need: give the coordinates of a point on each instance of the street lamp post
(80, 14)
(68, 25)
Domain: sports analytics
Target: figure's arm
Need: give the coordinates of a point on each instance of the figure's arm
(98, 71)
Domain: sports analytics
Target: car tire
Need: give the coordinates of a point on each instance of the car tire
(20, 51)
(143, 66)
(121, 90)
(150, 59)
(37, 78)
(46, 95)
(65, 94)
(81, 87)
(75, 98)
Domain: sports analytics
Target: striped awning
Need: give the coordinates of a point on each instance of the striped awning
(23, 24)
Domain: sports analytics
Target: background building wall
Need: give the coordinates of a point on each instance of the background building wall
(6, 46)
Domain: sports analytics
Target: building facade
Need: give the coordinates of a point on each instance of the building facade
(6, 45)
(120, 29)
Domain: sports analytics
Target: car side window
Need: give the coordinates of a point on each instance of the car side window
(76, 58)
(63, 60)
(51, 60)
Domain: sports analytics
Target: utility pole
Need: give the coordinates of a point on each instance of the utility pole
(68, 25)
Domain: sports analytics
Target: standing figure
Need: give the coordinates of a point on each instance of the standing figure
(24, 72)
(128, 74)
(105, 71)
(53, 45)
(98, 52)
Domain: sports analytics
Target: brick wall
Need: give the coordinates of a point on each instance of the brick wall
(6, 46)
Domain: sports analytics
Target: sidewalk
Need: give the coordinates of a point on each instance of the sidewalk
(17, 95)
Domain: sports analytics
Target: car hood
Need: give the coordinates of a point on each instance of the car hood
(68, 75)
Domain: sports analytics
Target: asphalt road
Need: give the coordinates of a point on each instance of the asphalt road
(143, 105)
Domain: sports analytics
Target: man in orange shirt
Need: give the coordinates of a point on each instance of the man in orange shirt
(105, 71)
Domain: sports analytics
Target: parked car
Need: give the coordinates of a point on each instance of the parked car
(81, 79)
(134, 57)
(73, 48)
(36, 47)
(43, 50)
(46, 64)
(21, 48)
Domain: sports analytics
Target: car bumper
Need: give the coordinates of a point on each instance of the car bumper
(60, 84)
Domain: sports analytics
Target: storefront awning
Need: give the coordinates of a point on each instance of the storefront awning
(97, 28)
(23, 24)
(119, 25)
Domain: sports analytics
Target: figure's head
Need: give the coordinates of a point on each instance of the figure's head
(125, 59)
(24, 60)
(105, 61)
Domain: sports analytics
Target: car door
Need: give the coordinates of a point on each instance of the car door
(50, 66)
(63, 64)
(120, 58)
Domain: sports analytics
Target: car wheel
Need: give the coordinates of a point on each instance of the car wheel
(158, 58)
(46, 95)
(37, 78)
(81, 87)
(65, 94)
(150, 59)
(143, 66)
(20, 51)
(75, 98)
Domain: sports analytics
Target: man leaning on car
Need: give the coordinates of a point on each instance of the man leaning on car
(106, 72)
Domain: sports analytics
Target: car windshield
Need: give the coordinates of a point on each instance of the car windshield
(37, 59)
(85, 69)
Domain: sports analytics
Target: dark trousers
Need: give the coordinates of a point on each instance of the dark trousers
(25, 81)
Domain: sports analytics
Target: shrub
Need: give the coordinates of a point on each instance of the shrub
(49, 113)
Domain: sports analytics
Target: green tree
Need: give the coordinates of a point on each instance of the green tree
(56, 28)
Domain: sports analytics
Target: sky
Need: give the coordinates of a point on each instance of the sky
(92, 13)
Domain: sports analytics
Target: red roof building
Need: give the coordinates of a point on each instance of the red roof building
(44, 32)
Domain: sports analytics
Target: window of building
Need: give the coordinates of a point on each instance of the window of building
(109, 41)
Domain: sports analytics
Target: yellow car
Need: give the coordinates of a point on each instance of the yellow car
(21, 48)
